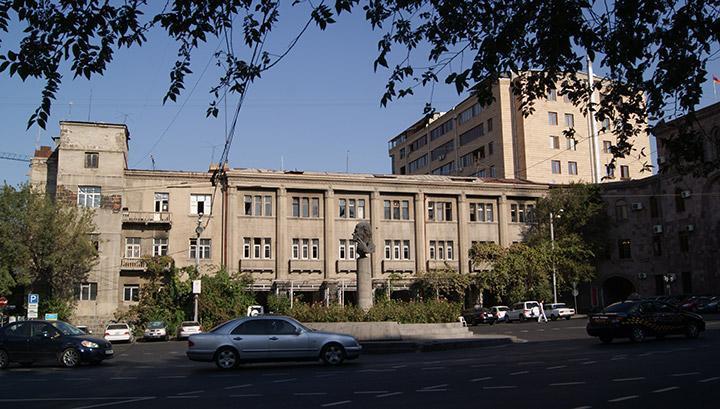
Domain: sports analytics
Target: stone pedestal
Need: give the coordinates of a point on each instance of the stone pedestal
(364, 283)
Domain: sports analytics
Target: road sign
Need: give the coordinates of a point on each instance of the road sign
(196, 286)
(32, 311)
(51, 317)
(575, 293)
(33, 299)
(3, 302)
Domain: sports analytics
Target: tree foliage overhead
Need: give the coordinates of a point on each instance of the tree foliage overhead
(654, 54)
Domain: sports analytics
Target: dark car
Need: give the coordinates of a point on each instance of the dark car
(477, 315)
(713, 305)
(33, 341)
(639, 319)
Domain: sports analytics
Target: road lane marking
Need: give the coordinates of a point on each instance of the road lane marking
(310, 393)
(646, 354)
(500, 387)
(189, 393)
(714, 378)
(399, 366)
(556, 367)
(685, 374)
(672, 388)
(430, 390)
(246, 385)
(556, 329)
(376, 370)
(182, 397)
(284, 380)
(583, 407)
(639, 378)
(369, 392)
(247, 395)
(567, 383)
(385, 395)
(623, 398)
(115, 403)
(588, 363)
(444, 385)
(519, 373)
(485, 378)
(342, 402)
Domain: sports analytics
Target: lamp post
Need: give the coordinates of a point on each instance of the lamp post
(552, 246)
(198, 231)
(669, 279)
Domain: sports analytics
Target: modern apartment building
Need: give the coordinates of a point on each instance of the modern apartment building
(288, 230)
(497, 141)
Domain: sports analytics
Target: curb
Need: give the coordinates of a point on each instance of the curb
(392, 347)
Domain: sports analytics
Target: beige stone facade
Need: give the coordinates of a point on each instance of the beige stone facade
(286, 229)
(664, 225)
(497, 141)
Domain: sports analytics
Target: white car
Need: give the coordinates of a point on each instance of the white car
(156, 330)
(500, 312)
(524, 311)
(188, 328)
(119, 332)
(559, 310)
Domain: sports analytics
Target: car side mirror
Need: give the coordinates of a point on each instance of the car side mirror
(298, 331)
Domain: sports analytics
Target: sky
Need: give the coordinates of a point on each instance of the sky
(318, 110)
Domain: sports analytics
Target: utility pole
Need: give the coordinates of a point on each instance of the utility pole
(552, 246)
(198, 231)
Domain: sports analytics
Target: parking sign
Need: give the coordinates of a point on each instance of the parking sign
(33, 299)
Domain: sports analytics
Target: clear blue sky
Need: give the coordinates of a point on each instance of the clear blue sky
(320, 102)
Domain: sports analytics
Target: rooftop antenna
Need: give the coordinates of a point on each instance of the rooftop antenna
(152, 159)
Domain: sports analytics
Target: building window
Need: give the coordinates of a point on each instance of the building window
(418, 143)
(388, 251)
(440, 211)
(418, 163)
(605, 125)
(679, 201)
(89, 196)
(160, 247)
(493, 173)
(473, 212)
(406, 250)
(296, 207)
(481, 212)
(657, 245)
(624, 248)
(268, 205)
(341, 249)
(315, 207)
(396, 209)
(257, 247)
(246, 247)
(513, 213)
(361, 209)
(449, 250)
(295, 249)
(351, 208)
(566, 99)
(572, 168)
(258, 205)
(267, 248)
(469, 113)
(471, 135)
(405, 209)
(432, 249)
(162, 202)
(610, 171)
(684, 241)
(570, 120)
(552, 95)
(396, 250)
(92, 159)
(341, 210)
(87, 292)
(554, 142)
(402, 153)
(489, 217)
(305, 248)
(248, 205)
(315, 249)
(621, 210)
(571, 143)
(441, 130)
(552, 118)
(654, 208)
(624, 172)
(386, 206)
(556, 168)
(607, 145)
(489, 124)
(491, 145)
(201, 251)
(351, 250)
(132, 247)
(305, 206)
(440, 251)
(131, 292)
(200, 203)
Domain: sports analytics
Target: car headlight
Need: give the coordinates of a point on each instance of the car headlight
(89, 344)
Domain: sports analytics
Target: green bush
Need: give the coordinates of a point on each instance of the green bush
(391, 310)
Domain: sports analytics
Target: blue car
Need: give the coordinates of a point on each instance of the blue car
(28, 342)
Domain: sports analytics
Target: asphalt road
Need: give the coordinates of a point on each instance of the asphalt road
(555, 369)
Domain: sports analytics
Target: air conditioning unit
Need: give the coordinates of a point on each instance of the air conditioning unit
(657, 228)
(690, 227)
(637, 206)
(685, 194)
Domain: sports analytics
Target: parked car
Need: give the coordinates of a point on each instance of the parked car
(267, 338)
(119, 332)
(500, 312)
(156, 330)
(188, 328)
(694, 302)
(479, 315)
(713, 305)
(27, 342)
(639, 319)
(84, 328)
(558, 310)
(523, 311)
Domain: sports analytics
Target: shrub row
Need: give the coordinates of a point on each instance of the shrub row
(396, 311)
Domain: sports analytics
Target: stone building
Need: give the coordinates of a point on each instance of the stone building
(666, 231)
(498, 141)
(289, 230)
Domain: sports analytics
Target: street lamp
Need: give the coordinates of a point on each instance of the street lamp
(198, 231)
(669, 279)
(552, 246)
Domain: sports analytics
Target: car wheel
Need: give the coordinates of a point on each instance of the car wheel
(333, 354)
(637, 335)
(4, 359)
(568, 317)
(523, 318)
(69, 358)
(692, 331)
(554, 317)
(226, 358)
(606, 340)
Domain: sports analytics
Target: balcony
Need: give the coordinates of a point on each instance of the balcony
(346, 266)
(398, 266)
(439, 265)
(135, 264)
(257, 265)
(145, 218)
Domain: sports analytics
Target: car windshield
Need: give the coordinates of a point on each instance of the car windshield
(117, 326)
(560, 305)
(67, 329)
(156, 325)
(190, 324)
(625, 306)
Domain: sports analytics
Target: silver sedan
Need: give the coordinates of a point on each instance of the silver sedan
(269, 338)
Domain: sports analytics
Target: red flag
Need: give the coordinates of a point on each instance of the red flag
(716, 80)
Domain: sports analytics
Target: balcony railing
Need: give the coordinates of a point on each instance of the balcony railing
(133, 264)
(145, 217)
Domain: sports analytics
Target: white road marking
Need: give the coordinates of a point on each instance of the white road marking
(342, 402)
(524, 330)
(588, 363)
(714, 378)
(583, 407)
(247, 395)
(116, 403)
(574, 327)
(639, 378)
(310, 393)
(567, 383)
(246, 385)
(672, 388)
(556, 367)
(189, 393)
(485, 378)
(399, 366)
(369, 392)
(500, 387)
(685, 374)
(182, 397)
(541, 330)
(556, 329)
(618, 358)
(284, 380)
(385, 395)
(444, 385)
(431, 390)
(376, 370)
(623, 398)
(519, 373)
(646, 354)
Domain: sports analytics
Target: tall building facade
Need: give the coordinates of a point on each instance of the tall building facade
(289, 230)
(497, 141)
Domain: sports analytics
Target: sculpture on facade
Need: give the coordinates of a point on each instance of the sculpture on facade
(362, 236)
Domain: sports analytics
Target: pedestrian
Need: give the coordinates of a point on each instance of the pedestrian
(541, 315)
